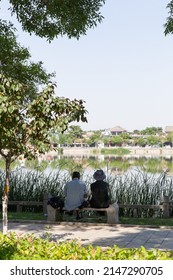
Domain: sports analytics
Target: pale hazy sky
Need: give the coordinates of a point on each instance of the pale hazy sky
(123, 68)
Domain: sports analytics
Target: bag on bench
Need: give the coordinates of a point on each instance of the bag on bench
(56, 202)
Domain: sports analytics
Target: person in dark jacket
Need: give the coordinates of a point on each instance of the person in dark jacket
(99, 191)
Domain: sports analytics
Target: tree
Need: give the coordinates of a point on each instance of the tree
(75, 131)
(94, 138)
(125, 136)
(136, 131)
(25, 122)
(169, 23)
(25, 127)
(140, 142)
(153, 140)
(65, 139)
(106, 141)
(15, 61)
(50, 19)
(152, 131)
(116, 140)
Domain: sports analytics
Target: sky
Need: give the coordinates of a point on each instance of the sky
(122, 68)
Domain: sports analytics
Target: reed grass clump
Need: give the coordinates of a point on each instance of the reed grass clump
(31, 185)
(141, 188)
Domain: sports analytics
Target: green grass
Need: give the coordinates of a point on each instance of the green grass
(115, 151)
(24, 216)
(93, 218)
(147, 221)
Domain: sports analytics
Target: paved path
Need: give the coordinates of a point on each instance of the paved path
(100, 234)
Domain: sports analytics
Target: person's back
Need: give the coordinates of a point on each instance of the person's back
(100, 198)
(74, 192)
(99, 191)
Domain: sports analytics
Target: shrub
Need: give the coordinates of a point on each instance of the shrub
(29, 247)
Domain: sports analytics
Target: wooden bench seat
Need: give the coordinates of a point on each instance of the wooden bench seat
(112, 213)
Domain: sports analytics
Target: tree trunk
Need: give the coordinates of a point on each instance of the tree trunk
(5, 196)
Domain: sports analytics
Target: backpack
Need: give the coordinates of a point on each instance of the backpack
(56, 202)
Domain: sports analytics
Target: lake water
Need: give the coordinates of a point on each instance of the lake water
(89, 163)
(110, 163)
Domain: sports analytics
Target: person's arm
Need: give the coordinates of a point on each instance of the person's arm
(91, 188)
(85, 192)
(90, 193)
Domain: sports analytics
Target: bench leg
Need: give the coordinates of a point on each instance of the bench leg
(53, 214)
(113, 214)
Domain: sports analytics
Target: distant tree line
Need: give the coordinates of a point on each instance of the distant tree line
(150, 136)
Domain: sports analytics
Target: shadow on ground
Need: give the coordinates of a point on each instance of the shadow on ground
(98, 234)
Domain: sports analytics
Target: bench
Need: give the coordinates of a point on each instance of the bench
(112, 212)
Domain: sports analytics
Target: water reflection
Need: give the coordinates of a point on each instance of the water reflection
(114, 164)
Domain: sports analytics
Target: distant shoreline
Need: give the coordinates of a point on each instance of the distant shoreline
(133, 151)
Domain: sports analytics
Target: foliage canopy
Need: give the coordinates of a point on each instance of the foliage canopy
(15, 61)
(25, 127)
(50, 19)
(169, 23)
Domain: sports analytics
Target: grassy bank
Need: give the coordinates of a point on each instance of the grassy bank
(91, 219)
(24, 216)
(115, 151)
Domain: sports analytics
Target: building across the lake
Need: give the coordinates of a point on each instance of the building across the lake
(117, 130)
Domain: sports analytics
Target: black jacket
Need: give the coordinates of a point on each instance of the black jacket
(100, 196)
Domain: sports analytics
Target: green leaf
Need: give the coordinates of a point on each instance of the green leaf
(11, 109)
(24, 125)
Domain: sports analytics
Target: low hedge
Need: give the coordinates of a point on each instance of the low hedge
(29, 247)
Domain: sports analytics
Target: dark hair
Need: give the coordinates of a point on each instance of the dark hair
(76, 174)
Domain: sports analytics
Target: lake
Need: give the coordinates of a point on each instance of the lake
(110, 163)
(87, 160)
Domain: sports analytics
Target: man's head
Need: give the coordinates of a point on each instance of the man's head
(76, 174)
